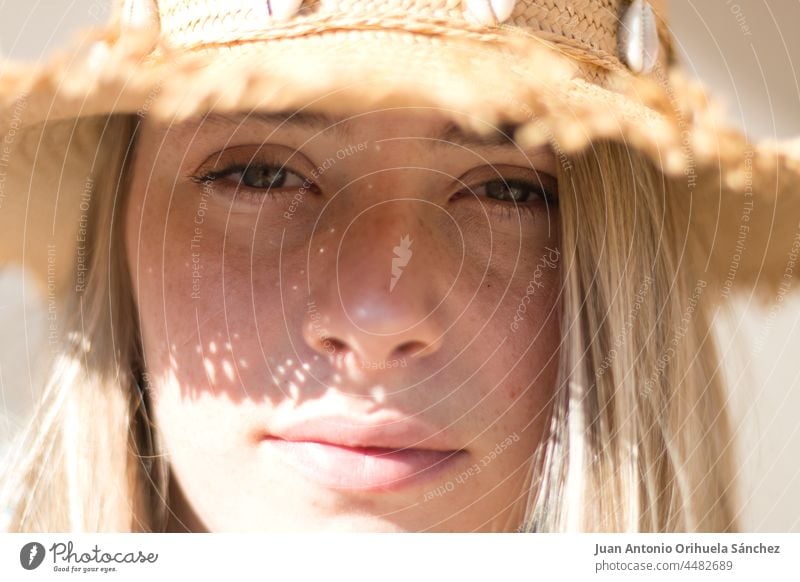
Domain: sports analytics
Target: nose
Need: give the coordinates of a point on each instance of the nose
(374, 287)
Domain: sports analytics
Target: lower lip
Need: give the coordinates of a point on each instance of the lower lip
(363, 468)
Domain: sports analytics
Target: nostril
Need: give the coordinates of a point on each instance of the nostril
(412, 349)
(333, 345)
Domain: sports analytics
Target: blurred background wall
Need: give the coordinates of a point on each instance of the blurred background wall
(748, 51)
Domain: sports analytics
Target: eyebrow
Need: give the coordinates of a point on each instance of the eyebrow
(502, 137)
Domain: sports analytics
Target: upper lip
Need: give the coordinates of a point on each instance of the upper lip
(388, 432)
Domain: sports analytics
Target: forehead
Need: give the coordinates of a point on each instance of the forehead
(417, 122)
(426, 131)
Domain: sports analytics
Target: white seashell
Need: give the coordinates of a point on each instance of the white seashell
(283, 9)
(638, 37)
(140, 14)
(488, 12)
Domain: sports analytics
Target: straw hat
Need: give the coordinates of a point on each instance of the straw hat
(565, 72)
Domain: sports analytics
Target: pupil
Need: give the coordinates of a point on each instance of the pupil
(508, 190)
(263, 177)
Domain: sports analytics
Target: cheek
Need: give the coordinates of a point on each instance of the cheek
(524, 337)
(207, 452)
(523, 375)
(211, 320)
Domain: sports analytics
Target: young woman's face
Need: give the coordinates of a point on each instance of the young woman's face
(348, 324)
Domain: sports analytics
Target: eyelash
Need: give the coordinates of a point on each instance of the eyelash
(510, 208)
(250, 193)
(507, 208)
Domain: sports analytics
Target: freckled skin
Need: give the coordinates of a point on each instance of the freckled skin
(279, 306)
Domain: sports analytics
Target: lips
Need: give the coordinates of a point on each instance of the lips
(344, 454)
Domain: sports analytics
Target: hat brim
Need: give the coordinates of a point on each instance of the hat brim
(525, 81)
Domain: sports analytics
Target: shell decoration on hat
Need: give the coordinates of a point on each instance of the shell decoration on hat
(283, 9)
(638, 37)
(488, 12)
(638, 42)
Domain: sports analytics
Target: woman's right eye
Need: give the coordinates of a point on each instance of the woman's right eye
(256, 176)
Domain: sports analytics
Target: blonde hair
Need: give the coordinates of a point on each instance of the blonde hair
(638, 441)
(88, 459)
(640, 437)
